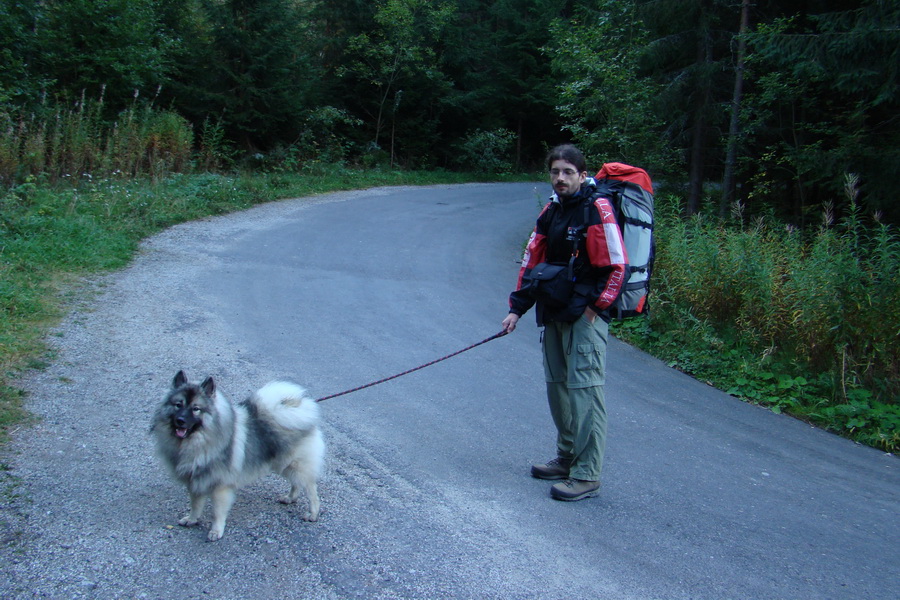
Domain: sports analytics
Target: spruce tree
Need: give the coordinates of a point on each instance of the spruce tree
(824, 104)
(254, 69)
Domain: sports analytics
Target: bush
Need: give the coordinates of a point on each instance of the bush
(488, 151)
(830, 302)
(63, 142)
(804, 323)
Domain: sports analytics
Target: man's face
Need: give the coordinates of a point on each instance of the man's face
(565, 178)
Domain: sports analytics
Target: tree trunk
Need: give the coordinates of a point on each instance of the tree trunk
(698, 139)
(698, 153)
(731, 154)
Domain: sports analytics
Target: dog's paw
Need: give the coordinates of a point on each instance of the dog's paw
(287, 499)
(187, 521)
(215, 534)
(311, 517)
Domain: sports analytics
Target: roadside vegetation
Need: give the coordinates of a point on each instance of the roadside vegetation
(805, 323)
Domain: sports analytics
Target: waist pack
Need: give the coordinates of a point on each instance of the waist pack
(553, 283)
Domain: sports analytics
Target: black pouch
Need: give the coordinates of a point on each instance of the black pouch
(552, 284)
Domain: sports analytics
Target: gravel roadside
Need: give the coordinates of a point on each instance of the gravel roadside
(85, 507)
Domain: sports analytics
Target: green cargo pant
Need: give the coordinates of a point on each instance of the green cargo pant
(575, 371)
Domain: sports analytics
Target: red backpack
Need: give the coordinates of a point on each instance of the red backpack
(630, 191)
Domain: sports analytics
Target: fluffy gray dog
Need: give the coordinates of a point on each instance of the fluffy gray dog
(214, 446)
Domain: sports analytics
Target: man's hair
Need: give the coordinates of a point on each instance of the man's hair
(568, 153)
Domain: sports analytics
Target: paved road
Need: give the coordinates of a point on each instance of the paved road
(426, 493)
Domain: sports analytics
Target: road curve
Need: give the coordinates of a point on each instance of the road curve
(426, 492)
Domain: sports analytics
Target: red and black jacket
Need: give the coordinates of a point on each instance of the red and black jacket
(601, 262)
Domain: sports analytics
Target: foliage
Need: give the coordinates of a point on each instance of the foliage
(824, 103)
(87, 46)
(251, 68)
(74, 142)
(320, 146)
(804, 324)
(394, 67)
(215, 152)
(18, 46)
(487, 151)
(493, 53)
(606, 104)
(689, 57)
(325, 136)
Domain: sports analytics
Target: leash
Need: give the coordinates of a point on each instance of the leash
(362, 387)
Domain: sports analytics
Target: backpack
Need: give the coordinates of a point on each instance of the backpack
(630, 191)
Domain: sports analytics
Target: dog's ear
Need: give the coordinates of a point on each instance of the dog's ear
(209, 387)
(180, 379)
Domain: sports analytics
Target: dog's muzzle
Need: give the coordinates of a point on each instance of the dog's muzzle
(185, 423)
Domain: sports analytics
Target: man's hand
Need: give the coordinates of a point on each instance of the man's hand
(509, 323)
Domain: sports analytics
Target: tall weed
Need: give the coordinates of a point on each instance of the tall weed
(70, 142)
(846, 307)
(806, 322)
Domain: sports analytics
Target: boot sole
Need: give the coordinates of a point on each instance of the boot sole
(591, 494)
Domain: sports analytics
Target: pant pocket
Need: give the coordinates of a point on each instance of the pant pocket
(587, 357)
(588, 366)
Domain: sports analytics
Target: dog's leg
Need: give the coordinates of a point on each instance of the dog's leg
(222, 499)
(312, 495)
(302, 479)
(198, 501)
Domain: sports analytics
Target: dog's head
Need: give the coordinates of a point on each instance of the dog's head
(187, 405)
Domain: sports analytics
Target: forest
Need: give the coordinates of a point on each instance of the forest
(771, 103)
(771, 130)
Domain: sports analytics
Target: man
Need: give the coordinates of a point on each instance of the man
(576, 222)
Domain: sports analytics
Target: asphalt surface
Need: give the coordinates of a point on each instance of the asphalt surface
(426, 492)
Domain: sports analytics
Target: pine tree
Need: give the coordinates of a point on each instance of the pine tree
(252, 67)
(689, 57)
(113, 48)
(495, 55)
(825, 103)
(19, 82)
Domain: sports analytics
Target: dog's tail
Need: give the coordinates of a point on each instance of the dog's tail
(287, 405)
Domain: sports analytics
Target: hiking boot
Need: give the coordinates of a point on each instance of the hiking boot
(574, 489)
(558, 468)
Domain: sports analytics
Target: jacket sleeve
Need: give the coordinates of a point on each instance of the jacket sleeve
(606, 251)
(520, 301)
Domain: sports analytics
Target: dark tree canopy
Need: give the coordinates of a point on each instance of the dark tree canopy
(456, 83)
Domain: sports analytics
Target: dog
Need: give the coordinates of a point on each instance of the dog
(214, 446)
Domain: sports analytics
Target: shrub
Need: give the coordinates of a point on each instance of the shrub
(806, 323)
(488, 151)
(69, 142)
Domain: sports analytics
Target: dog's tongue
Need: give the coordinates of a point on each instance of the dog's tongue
(182, 433)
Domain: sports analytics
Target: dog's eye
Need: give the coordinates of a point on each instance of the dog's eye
(196, 409)
(177, 404)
